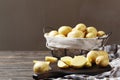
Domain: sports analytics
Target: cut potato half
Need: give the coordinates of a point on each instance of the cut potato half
(67, 60)
(78, 61)
(61, 64)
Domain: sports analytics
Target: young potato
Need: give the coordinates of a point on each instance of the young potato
(81, 27)
(53, 33)
(91, 56)
(64, 30)
(102, 61)
(76, 34)
(41, 66)
(99, 57)
(60, 35)
(91, 35)
(100, 33)
(61, 64)
(92, 30)
(51, 59)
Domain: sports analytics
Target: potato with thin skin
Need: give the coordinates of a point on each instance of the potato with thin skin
(53, 33)
(81, 27)
(60, 35)
(99, 57)
(64, 30)
(90, 35)
(92, 30)
(100, 33)
(76, 34)
(41, 66)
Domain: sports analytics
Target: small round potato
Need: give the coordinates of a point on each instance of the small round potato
(90, 35)
(92, 30)
(60, 35)
(100, 33)
(81, 27)
(64, 30)
(76, 34)
(52, 33)
(41, 66)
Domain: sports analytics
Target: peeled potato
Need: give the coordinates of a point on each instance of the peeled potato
(66, 59)
(64, 30)
(61, 64)
(92, 30)
(78, 61)
(91, 35)
(81, 27)
(76, 34)
(51, 59)
(53, 33)
(100, 33)
(41, 66)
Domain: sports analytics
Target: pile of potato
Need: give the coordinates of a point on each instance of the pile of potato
(79, 31)
(99, 58)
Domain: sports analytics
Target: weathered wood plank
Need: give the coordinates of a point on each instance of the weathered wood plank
(17, 65)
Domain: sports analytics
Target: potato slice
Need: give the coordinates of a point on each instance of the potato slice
(61, 64)
(67, 60)
(51, 59)
(78, 61)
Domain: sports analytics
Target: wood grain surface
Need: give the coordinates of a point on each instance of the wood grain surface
(17, 65)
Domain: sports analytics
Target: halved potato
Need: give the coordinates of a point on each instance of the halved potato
(61, 64)
(78, 61)
(67, 60)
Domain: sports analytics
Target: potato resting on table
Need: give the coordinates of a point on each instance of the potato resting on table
(101, 58)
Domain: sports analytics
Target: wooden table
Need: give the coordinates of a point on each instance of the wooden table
(17, 65)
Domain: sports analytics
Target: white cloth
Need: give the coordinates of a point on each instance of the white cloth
(73, 43)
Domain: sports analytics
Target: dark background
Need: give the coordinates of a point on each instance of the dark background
(22, 21)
